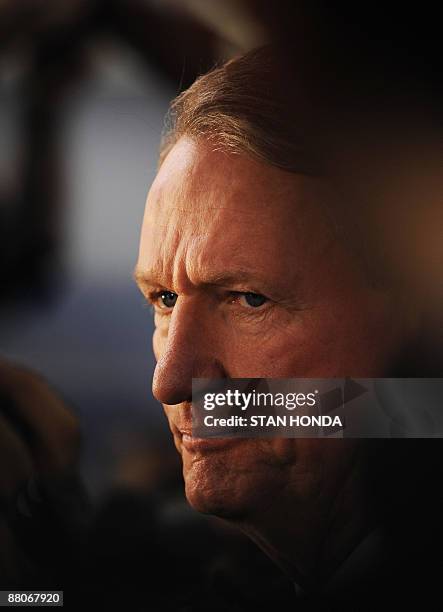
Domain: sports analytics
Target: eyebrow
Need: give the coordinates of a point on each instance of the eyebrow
(150, 278)
(144, 278)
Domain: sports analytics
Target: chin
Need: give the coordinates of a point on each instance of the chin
(224, 503)
(230, 485)
(209, 503)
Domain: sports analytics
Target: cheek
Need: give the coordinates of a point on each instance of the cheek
(308, 346)
(159, 340)
(278, 351)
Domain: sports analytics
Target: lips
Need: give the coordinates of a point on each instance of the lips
(194, 445)
(182, 433)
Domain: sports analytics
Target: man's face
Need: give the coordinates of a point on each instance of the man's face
(249, 281)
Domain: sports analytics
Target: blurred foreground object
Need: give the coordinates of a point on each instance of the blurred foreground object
(39, 443)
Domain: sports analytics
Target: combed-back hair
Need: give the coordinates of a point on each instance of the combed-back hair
(243, 107)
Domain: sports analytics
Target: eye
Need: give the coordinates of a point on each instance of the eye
(165, 299)
(252, 300)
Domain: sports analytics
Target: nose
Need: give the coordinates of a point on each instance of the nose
(190, 352)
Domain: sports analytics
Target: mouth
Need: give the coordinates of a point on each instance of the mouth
(181, 428)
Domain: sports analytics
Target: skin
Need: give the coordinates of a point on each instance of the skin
(218, 226)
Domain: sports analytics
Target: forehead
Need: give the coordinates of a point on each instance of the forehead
(227, 207)
(202, 177)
